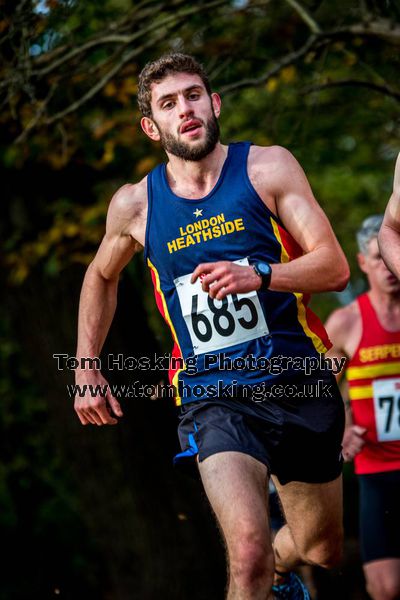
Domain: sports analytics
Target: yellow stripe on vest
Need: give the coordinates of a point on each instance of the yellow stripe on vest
(178, 399)
(360, 392)
(373, 371)
(301, 309)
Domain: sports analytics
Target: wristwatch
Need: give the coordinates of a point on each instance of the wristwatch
(263, 269)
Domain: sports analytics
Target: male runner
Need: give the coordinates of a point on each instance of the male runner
(235, 242)
(367, 332)
(389, 235)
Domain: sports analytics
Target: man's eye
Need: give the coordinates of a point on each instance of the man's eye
(194, 96)
(168, 104)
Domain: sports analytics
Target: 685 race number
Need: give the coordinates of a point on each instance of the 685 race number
(217, 324)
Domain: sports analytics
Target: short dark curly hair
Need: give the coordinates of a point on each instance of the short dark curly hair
(157, 70)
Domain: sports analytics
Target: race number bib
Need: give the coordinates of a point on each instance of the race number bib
(387, 409)
(217, 324)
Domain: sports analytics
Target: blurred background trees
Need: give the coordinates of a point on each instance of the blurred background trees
(101, 513)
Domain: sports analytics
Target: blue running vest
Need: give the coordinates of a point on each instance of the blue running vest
(242, 340)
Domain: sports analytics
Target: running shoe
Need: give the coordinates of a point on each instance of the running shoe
(291, 588)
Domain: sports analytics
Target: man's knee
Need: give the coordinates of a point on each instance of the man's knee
(251, 560)
(326, 553)
(251, 566)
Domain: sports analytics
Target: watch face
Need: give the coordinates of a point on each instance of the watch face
(264, 268)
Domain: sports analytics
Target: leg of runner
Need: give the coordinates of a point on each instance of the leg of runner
(380, 533)
(314, 529)
(383, 578)
(277, 521)
(236, 485)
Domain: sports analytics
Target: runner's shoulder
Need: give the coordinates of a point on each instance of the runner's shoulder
(274, 156)
(343, 320)
(275, 165)
(129, 200)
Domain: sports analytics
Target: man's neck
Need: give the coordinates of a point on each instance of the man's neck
(196, 178)
(384, 303)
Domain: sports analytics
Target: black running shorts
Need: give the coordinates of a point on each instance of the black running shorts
(380, 515)
(298, 436)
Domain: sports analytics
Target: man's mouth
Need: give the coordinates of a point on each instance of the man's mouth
(391, 279)
(190, 127)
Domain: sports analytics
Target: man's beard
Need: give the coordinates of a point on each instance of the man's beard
(184, 150)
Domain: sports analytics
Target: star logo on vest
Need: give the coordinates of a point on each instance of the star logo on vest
(198, 212)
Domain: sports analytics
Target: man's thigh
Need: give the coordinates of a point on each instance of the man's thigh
(236, 485)
(313, 511)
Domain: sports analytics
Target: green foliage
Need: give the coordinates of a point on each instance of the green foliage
(280, 84)
(346, 137)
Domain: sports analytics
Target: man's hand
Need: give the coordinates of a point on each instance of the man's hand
(352, 441)
(98, 409)
(223, 277)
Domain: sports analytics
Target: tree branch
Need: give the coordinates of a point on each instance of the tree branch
(287, 60)
(99, 40)
(139, 29)
(381, 88)
(103, 81)
(168, 23)
(128, 39)
(380, 28)
(35, 120)
(305, 16)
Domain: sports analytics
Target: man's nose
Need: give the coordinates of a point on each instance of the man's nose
(185, 107)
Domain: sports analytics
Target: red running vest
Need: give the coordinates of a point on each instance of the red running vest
(374, 389)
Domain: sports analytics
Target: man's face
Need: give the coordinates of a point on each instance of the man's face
(379, 276)
(184, 117)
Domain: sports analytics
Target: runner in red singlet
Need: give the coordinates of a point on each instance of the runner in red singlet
(367, 332)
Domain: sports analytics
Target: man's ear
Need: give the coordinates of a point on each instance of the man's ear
(216, 103)
(150, 128)
(361, 262)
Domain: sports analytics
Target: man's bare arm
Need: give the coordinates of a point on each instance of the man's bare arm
(322, 267)
(339, 327)
(99, 299)
(389, 235)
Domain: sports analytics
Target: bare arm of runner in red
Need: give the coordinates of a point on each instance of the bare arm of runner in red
(342, 328)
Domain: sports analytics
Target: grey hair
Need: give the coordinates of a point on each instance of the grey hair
(368, 231)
